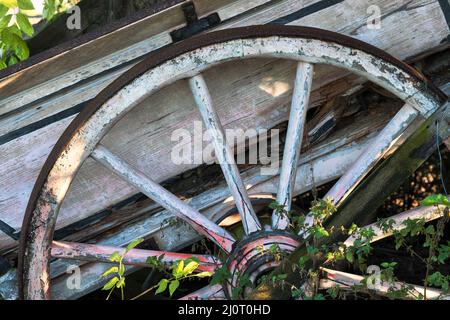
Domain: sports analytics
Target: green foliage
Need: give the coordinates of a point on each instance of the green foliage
(179, 270)
(434, 200)
(319, 254)
(15, 25)
(50, 9)
(221, 275)
(439, 280)
(118, 270)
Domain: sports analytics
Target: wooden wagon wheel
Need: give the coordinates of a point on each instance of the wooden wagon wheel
(188, 59)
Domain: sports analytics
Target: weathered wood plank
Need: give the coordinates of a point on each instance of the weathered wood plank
(113, 49)
(404, 47)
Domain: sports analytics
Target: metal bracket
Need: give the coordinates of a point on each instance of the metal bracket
(194, 25)
(8, 230)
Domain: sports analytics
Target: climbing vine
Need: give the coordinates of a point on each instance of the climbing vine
(320, 254)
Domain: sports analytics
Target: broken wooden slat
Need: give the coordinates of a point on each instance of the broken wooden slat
(345, 280)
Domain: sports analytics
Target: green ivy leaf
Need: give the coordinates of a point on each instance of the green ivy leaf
(174, 284)
(24, 24)
(3, 64)
(162, 286)
(110, 271)
(134, 244)
(110, 284)
(25, 4)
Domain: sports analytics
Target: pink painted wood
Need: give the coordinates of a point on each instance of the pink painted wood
(134, 257)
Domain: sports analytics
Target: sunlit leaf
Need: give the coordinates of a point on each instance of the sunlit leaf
(174, 284)
(3, 10)
(110, 284)
(9, 3)
(115, 257)
(24, 24)
(436, 199)
(15, 43)
(120, 283)
(110, 271)
(162, 286)
(204, 274)
(178, 269)
(25, 4)
(4, 22)
(12, 60)
(134, 244)
(49, 10)
(190, 268)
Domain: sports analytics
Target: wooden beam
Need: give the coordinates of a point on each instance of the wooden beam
(134, 257)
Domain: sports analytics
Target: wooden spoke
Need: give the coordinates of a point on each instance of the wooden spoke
(333, 278)
(294, 135)
(426, 213)
(165, 198)
(134, 257)
(211, 292)
(375, 152)
(224, 154)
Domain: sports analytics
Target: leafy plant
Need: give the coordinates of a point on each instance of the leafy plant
(118, 281)
(15, 25)
(180, 270)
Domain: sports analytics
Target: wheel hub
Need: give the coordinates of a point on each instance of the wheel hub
(255, 256)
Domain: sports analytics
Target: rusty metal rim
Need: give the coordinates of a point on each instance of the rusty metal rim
(165, 54)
